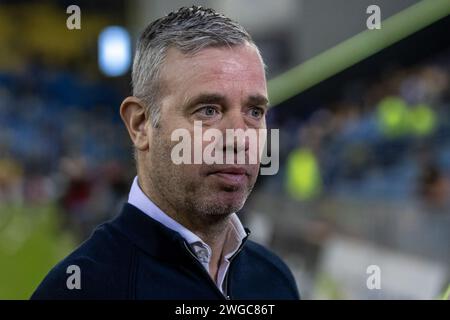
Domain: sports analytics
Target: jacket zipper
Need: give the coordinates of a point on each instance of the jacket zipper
(226, 296)
(227, 278)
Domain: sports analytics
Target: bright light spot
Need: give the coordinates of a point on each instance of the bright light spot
(114, 51)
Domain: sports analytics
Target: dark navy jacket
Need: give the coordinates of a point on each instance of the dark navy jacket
(135, 257)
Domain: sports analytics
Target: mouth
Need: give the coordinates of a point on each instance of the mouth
(234, 176)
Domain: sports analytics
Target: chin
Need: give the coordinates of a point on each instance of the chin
(228, 202)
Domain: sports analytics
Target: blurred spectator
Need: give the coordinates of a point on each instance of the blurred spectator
(434, 188)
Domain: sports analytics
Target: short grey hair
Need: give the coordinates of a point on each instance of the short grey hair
(188, 30)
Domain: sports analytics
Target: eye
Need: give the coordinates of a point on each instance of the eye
(208, 111)
(256, 112)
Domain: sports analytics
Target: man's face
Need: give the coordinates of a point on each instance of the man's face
(225, 88)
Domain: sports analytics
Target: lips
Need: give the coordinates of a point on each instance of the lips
(231, 175)
(232, 170)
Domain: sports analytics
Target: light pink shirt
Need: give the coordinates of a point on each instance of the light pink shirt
(233, 239)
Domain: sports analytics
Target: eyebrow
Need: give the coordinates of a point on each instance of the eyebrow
(213, 98)
(216, 98)
(258, 100)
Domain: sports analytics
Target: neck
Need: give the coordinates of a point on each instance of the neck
(215, 237)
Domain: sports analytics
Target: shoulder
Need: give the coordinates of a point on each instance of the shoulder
(265, 261)
(97, 269)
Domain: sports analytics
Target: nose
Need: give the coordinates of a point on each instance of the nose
(234, 129)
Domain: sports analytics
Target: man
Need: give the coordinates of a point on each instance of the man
(178, 237)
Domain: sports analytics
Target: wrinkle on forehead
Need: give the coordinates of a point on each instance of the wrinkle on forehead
(239, 63)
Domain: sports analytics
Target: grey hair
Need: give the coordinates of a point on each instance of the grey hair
(188, 30)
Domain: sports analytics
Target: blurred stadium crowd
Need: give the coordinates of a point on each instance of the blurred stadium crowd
(373, 165)
(388, 137)
(62, 141)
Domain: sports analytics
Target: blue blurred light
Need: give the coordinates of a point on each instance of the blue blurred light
(114, 51)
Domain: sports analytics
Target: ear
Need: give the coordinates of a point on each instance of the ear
(132, 112)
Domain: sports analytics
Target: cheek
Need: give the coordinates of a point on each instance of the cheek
(187, 178)
(160, 152)
(255, 171)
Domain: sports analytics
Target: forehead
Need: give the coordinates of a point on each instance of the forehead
(231, 71)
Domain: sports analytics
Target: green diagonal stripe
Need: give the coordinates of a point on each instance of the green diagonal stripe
(355, 49)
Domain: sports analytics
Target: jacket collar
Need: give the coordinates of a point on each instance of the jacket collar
(150, 235)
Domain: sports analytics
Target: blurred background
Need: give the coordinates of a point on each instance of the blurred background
(364, 119)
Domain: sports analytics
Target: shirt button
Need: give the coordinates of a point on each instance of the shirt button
(203, 255)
